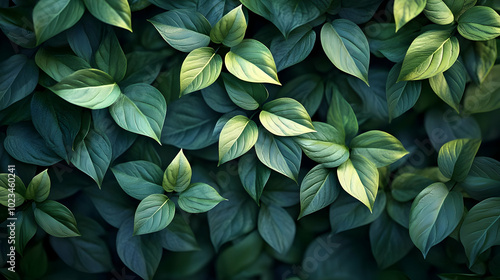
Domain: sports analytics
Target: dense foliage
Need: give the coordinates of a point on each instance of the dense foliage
(318, 139)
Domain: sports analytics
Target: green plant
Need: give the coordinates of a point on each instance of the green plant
(370, 152)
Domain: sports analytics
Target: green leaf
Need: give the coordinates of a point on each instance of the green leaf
(56, 219)
(483, 180)
(288, 15)
(359, 177)
(318, 190)
(347, 213)
(178, 236)
(285, 117)
(479, 24)
(276, 227)
(438, 12)
(51, 17)
(17, 24)
(39, 187)
(431, 53)
(293, 49)
(114, 12)
(481, 228)
(25, 144)
(248, 96)
(253, 175)
(140, 253)
(200, 69)
(184, 30)
(307, 89)
(154, 213)
(281, 154)
(59, 65)
(479, 58)
(216, 97)
(379, 147)
(89, 88)
(340, 114)
(7, 183)
(93, 155)
(141, 109)
(406, 186)
(389, 241)
(326, 145)
(346, 46)
(455, 158)
(399, 211)
(199, 198)
(19, 77)
(57, 122)
(26, 228)
(484, 97)
(458, 7)
(434, 214)
(230, 29)
(406, 10)
(251, 61)
(177, 176)
(187, 128)
(239, 257)
(450, 85)
(110, 57)
(401, 96)
(139, 179)
(237, 137)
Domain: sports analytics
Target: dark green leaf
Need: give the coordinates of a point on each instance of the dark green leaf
(50, 17)
(484, 97)
(401, 96)
(253, 175)
(248, 96)
(139, 179)
(39, 187)
(56, 219)
(450, 85)
(340, 114)
(114, 12)
(308, 89)
(318, 189)
(455, 158)
(110, 58)
(178, 236)
(293, 49)
(59, 65)
(276, 227)
(26, 228)
(18, 76)
(483, 180)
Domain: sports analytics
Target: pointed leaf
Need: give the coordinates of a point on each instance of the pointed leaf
(200, 69)
(406, 10)
(276, 227)
(253, 175)
(199, 198)
(177, 176)
(51, 17)
(237, 137)
(110, 58)
(285, 117)
(59, 65)
(438, 12)
(139, 179)
(340, 114)
(379, 147)
(230, 29)
(56, 219)
(154, 213)
(401, 96)
(39, 187)
(479, 24)
(450, 85)
(114, 12)
(248, 96)
(318, 190)
(19, 77)
(455, 158)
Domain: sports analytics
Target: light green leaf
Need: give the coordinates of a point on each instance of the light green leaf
(346, 46)
(326, 145)
(340, 114)
(276, 227)
(281, 154)
(141, 109)
(58, 65)
(177, 176)
(401, 96)
(318, 190)
(237, 137)
(248, 96)
(114, 12)
(481, 228)
(483, 180)
(184, 30)
(479, 58)
(11, 182)
(347, 213)
(110, 57)
(93, 155)
(89, 88)
(479, 24)
(406, 10)
(251, 61)
(434, 214)
(51, 17)
(438, 12)
(450, 85)
(253, 175)
(56, 219)
(18, 78)
(230, 29)
(200, 69)
(359, 177)
(285, 117)
(455, 158)
(154, 213)
(39, 187)
(379, 147)
(484, 97)
(139, 179)
(431, 53)
(199, 198)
